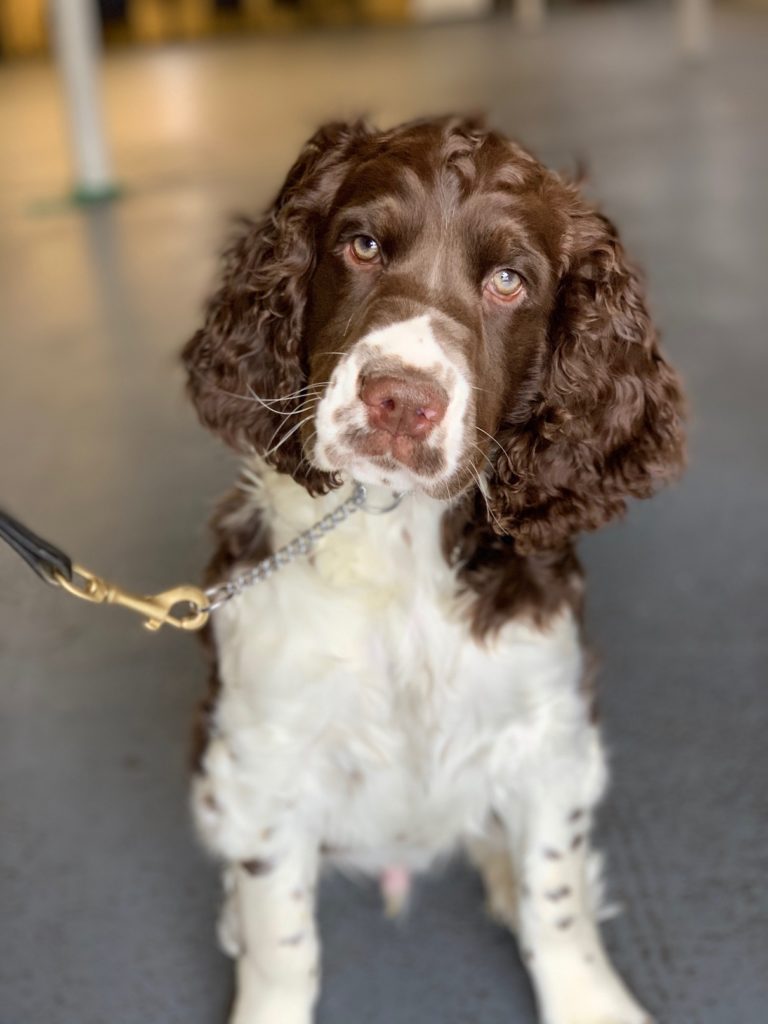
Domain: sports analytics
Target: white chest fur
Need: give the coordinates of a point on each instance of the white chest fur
(355, 706)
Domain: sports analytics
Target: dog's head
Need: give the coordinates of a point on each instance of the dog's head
(429, 308)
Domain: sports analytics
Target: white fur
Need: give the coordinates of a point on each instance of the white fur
(413, 343)
(357, 713)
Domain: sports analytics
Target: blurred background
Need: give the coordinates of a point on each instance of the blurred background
(107, 249)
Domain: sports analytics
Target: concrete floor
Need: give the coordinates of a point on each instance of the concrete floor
(106, 906)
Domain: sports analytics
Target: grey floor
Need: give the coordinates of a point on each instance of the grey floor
(106, 905)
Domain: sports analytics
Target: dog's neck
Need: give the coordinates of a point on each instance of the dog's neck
(385, 531)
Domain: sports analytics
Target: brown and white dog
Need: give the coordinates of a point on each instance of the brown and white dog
(426, 310)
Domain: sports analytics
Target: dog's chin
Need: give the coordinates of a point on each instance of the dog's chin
(381, 472)
(388, 473)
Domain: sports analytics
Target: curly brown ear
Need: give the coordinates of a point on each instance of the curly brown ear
(607, 423)
(246, 365)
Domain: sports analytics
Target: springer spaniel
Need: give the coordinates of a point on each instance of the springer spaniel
(431, 312)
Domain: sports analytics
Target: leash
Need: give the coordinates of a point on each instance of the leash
(186, 606)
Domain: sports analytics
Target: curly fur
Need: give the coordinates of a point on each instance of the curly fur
(252, 343)
(607, 423)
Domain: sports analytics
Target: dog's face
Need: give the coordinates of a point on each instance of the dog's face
(427, 315)
(431, 309)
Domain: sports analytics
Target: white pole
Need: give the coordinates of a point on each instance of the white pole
(530, 14)
(76, 45)
(695, 21)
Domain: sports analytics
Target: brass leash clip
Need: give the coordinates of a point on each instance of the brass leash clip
(183, 607)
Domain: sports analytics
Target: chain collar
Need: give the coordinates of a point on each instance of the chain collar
(299, 547)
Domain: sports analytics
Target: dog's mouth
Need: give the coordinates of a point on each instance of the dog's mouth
(394, 461)
(392, 452)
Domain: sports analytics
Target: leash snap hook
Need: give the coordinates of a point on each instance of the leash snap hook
(156, 609)
(191, 598)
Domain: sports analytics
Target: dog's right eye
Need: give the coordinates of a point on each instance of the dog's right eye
(506, 285)
(365, 249)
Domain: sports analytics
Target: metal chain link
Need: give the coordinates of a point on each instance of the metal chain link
(299, 547)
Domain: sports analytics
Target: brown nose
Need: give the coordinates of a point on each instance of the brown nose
(404, 407)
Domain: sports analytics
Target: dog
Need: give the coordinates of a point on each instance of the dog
(431, 313)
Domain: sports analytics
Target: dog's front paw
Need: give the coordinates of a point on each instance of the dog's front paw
(630, 1014)
(597, 1009)
(589, 992)
(271, 1006)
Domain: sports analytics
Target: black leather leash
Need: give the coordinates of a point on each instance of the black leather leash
(41, 556)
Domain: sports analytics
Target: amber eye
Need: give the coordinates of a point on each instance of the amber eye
(506, 284)
(365, 249)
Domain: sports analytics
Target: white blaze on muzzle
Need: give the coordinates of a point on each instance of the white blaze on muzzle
(408, 347)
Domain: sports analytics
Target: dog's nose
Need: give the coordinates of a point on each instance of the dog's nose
(403, 407)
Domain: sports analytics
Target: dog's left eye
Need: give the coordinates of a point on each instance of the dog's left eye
(365, 249)
(506, 284)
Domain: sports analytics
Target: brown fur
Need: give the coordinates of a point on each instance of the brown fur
(504, 582)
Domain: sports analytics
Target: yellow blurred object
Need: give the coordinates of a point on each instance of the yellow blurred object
(154, 21)
(23, 27)
(385, 11)
(266, 14)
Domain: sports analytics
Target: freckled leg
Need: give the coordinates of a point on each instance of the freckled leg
(559, 937)
(272, 909)
(555, 911)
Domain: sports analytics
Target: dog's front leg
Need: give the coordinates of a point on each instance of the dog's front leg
(273, 903)
(556, 910)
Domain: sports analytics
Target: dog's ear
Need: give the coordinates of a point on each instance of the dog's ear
(246, 366)
(607, 422)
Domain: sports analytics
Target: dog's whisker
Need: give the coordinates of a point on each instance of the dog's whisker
(306, 447)
(310, 404)
(251, 396)
(282, 398)
(291, 432)
(311, 401)
(292, 412)
(483, 454)
(500, 446)
(307, 390)
(492, 515)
